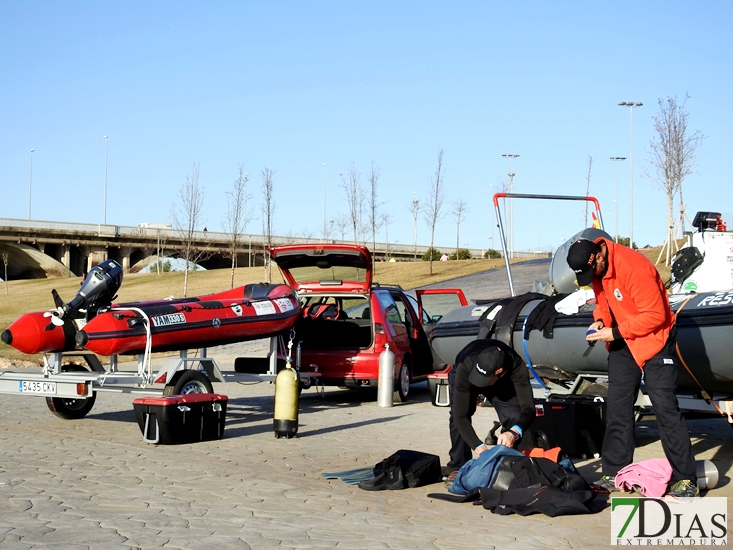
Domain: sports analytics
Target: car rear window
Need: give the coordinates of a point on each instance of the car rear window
(352, 306)
(333, 275)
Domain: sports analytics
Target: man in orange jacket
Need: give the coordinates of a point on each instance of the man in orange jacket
(633, 317)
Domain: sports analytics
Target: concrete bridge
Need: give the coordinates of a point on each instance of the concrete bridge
(40, 249)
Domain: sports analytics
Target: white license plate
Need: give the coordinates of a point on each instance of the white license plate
(32, 386)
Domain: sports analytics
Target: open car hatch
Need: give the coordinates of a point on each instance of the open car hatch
(315, 267)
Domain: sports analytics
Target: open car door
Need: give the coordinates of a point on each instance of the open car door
(433, 303)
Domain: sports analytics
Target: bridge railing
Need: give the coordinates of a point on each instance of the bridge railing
(102, 229)
(215, 237)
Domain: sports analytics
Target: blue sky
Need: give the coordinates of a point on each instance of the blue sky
(292, 85)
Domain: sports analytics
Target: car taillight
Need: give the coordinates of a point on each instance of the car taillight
(380, 338)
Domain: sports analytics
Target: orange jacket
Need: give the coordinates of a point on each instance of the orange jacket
(633, 292)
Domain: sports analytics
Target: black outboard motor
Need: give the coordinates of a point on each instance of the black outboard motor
(97, 291)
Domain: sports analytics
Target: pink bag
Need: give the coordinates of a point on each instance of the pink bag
(648, 477)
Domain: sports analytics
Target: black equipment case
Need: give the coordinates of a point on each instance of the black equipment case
(181, 418)
(574, 423)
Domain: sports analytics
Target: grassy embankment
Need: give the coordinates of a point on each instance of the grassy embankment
(35, 295)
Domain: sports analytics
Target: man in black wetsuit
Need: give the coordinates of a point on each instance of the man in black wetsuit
(494, 370)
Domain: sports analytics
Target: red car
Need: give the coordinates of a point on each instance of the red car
(347, 321)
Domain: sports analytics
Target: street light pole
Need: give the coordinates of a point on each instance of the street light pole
(616, 159)
(106, 150)
(493, 215)
(415, 209)
(631, 105)
(324, 202)
(511, 210)
(30, 184)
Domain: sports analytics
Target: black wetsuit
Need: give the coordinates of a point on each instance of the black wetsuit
(511, 396)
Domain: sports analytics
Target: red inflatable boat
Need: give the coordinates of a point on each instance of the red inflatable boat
(35, 333)
(244, 313)
(92, 322)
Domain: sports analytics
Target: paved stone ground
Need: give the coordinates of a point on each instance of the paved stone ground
(94, 484)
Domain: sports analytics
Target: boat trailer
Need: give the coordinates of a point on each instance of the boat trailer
(70, 381)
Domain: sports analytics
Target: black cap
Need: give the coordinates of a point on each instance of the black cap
(484, 369)
(581, 256)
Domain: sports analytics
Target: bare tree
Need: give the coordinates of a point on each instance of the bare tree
(160, 248)
(587, 187)
(434, 204)
(375, 221)
(460, 208)
(385, 220)
(155, 249)
(5, 278)
(268, 212)
(355, 199)
(342, 222)
(236, 220)
(301, 235)
(187, 216)
(672, 159)
(415, 210)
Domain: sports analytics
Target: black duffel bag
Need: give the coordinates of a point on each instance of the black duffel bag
(404, 469)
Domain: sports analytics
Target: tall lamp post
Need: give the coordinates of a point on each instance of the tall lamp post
(30, 183)
(493, 214)
(631, 105)
(415, 209)
(106, 150)
(511, 211)
(325, 237)
(615, 160)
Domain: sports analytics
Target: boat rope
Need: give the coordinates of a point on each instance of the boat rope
(145, 368)
(529, 361)
(705, 395)
(289, 358)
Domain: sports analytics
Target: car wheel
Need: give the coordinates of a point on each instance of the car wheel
(402, 384)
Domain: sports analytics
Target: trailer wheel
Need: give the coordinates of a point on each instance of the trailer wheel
(71, 409)
(402, 384)
(188, 381)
